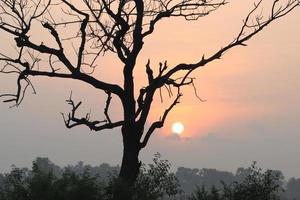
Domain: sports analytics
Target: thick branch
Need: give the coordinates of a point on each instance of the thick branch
(107, 106)
(54, 33)
(160, 123)
(118, 39)
(83, 26)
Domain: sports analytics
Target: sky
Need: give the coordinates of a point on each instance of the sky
(251, 112)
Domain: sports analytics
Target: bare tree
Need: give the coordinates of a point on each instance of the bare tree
(119, 27)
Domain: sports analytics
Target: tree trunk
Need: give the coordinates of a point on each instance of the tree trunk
(130, 164)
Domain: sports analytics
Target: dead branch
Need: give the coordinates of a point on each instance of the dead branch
(118, 27)
(72, 121)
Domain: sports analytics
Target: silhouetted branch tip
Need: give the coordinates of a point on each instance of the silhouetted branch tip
(72, 121)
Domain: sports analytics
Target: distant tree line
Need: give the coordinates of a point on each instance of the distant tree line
(47, 181)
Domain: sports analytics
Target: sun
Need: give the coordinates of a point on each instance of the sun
(177, 128)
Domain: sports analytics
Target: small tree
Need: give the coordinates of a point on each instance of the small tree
(257, 185)
(15, 185)
(119, 27)
(155, 182)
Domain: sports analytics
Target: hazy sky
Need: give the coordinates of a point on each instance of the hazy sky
(252, 112)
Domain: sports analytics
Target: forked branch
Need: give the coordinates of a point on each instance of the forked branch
(119, 27)
(160, 123)
(72, 121)
(249, 29)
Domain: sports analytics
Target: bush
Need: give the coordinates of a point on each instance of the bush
(154, 182)
(202, 194)
(22, 184)
(257, 185)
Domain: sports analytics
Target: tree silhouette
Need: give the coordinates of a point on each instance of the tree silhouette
(118, 27)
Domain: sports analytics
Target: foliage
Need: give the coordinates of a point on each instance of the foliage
(155, 181)
(22, 184)
(292, 188)
(15, 185)
(203, 194)
(203, 177)
(78, 186)
(256, 185)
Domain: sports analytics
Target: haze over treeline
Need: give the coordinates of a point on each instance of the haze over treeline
(189, 179)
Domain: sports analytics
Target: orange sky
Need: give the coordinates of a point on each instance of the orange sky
(225, 84)
(254, 84)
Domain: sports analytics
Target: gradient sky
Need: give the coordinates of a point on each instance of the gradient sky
(252, 112)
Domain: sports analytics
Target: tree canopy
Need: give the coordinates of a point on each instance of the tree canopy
(118, 27)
